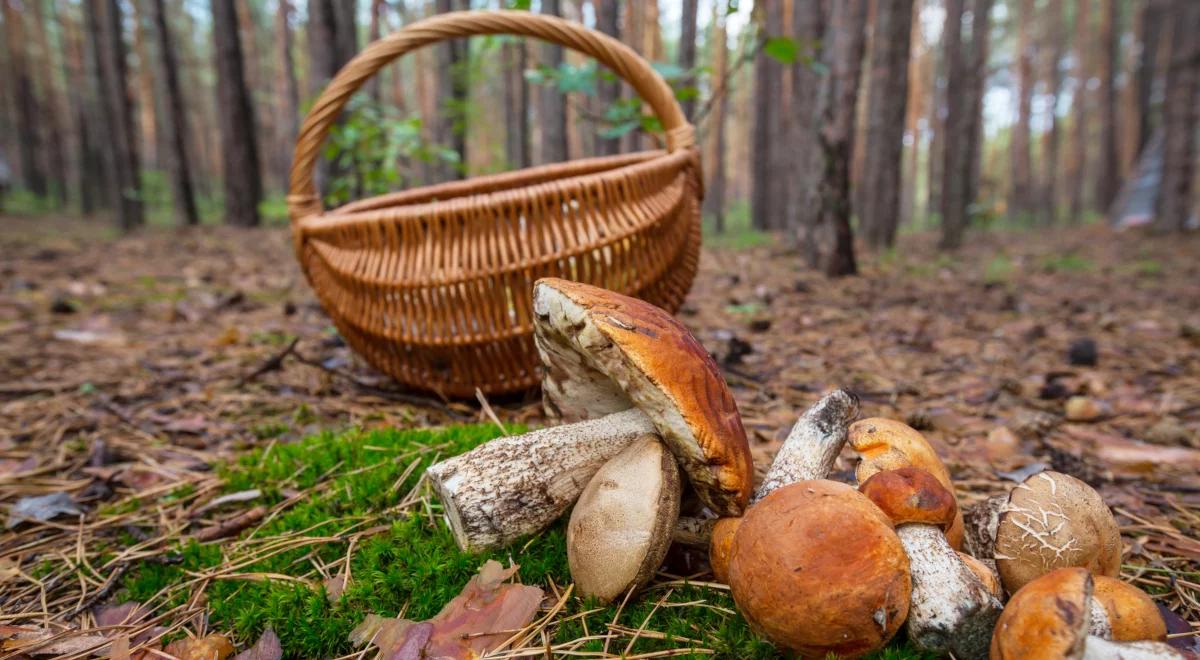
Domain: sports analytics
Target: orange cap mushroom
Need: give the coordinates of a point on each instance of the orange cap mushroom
(1131, 613)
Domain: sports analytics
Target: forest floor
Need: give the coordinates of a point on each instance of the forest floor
(131, 367)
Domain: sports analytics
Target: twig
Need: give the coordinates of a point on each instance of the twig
(272, 364)
(231, 526)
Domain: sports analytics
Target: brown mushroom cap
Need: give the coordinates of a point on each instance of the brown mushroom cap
(621, 526)
(986, 575)
(1046, 618)
(721, 546)
(1051, 521)
(1133, 616)
(605, 352)
(911, 495)
(817, 568)
(887, 444)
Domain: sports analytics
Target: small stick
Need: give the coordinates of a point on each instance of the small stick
(231, 526)
(272, 364)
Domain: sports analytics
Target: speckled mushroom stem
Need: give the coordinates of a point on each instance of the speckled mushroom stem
(813, 444)
(510, 487)
(951, 609)
(1101, 649)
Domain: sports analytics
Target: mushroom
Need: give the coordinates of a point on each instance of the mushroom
(1131, 614)
(886, 444)
(816, 568)
(808, 453)
(986, 574)
(625, 368)
(621, 526)
(1050, 520)
(1048, 618)
(952, 610)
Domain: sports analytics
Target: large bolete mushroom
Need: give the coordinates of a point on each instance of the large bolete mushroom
(952, 610)
(1049, 617)
(620, 529)
(887, 444)
(816, 568)
(1132, 616)
(617, 369)
(1051, 520)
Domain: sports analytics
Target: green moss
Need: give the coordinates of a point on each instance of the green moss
(410, 564)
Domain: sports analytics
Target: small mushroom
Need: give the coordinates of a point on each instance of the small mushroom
(625, 368)
(1049, 617)
(621, 526)
(986, 574)
(952, 610)
(816, 568)
(1131, 614)
(1050, 520)
(887, 444)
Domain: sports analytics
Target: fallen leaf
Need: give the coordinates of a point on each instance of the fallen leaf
(42, 508)
(266, 648)
(127, 613)
(209, 647)
(1021, 474)
(9, 568)
(1134, 456)
(475, 621)
(335, 586)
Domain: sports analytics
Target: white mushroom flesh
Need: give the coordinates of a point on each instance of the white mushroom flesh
(813, 444)
(1099, 624)
(1102, 649)
(951, 608)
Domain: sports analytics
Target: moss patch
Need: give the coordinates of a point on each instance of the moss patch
(356, 481)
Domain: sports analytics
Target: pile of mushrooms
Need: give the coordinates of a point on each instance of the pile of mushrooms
(649, 429)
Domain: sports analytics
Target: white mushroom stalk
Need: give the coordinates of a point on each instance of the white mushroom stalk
(1097, 648)
(813, 444)
(510, 487)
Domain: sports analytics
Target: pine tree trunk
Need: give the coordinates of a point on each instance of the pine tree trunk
(323, 51)
(255, 81)
(287, 89)
(345, 30)
(235, 111)
(977, 71)
(1019, 200)
(956, 127)
(885, 121)
(1052, 40)
(608, 21)
(918, 90)
(174, 117)
(143, 83)
(516, 106)
(89, 171)
(687, 51)
(1108, 182)
(1180, 118)
(808, 28)
(121, 154)
(553, 111)
(375, 84)
(52, 109)
(28, 145)
(715, 197)
(767, 204)
(937, 124)
(1077, 165)
(832, 240)
(1150, 29)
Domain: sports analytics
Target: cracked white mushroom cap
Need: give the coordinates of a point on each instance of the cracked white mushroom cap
(952, 610)
(621, 526)
(605, 352)
(816, 568)
(1049, 617)
(1052, 520)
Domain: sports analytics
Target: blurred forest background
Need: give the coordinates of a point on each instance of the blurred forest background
(817, 119)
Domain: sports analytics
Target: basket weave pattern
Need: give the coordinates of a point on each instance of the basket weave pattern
(432, 285)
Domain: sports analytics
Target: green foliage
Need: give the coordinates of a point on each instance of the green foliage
(784, 49)
(739, 233)
(998, 270)
(1066, 263)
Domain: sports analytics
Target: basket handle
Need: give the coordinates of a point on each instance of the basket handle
(303, 200)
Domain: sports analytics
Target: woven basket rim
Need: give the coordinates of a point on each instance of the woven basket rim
(521, 192)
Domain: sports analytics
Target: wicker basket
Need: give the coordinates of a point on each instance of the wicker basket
(432, 285)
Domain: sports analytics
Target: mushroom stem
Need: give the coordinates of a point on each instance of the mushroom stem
(813, 444)
(1102, 649)
(951, 608)
(694, 532)
(514, 486)
(1099, 625)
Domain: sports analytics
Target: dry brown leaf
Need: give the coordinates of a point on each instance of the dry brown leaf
(266, 648)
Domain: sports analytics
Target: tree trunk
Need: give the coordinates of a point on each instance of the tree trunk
(516, 106)
(937, 124)
(322, 45)
(918, 90)
(1179, 117)
(885, 121)
(1077, 166)
(449, 124)
(33, 176)
(235, 111)
(255, 81)
(1020, 197)
(52, 109)
(1052, 40)
(345, 30)
(808, 28)
(1150, 29)
(287, 90)
(1109, 179)
(832, 240)
(553, 110)
(608, 22)
(174, 117)
(121, 154)
(144, 98)
(687, 52)
(375, 84)
(715, 199)
(954, 195)
(767, 204)
(977, 72)
(89, 171)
